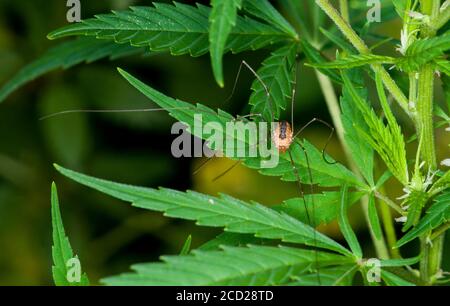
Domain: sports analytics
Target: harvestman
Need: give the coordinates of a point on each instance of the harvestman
(282, 136)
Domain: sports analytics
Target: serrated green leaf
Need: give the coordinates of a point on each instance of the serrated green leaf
(264, 10)
(277, 74)
(221, 20)
(361, 151)
(374, 219)
(393, 280)
(436, 215)
(326, 206)
(387, 141)
(345, 226)
(224, 211)
(62, 251)
(179, 28)
(352, 61)
(415, 202)
(66, 55)
(253, 265)
(423, 51)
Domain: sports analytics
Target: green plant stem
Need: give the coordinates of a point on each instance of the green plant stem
(343, 7)
(362, 48)
(389, 202)
(431, 253)
(388, 225)
(425, 115)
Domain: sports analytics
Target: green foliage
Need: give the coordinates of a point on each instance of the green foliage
(345, 226)
(424, 51)
(248, 252)
(277, 76)
(179, 28)
(224, 211)
(436, 215)
(326, 206)
(62, 251)
(222, 19)
(263, 10)
(356, 60)
(386, 140)
(374, 219)
(352, 121)
(236, 266)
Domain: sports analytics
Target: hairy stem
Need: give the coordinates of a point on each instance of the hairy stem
(361, 46)
(431, 252)
(343, 7)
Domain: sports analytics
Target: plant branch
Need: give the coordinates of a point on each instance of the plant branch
(362, 48)
(389, 202)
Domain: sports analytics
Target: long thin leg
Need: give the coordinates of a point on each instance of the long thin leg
(266, 89)
(310, 218)
(77, 111)
(330, 136)
(226, 171)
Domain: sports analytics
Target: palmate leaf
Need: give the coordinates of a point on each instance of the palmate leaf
(277, 74)
(352, 61)
(222, 19)
(386, 140)
(224, 211)
(263, 10)
(436, 215)
(179, 28)
(326, 206)
(423, 51)
(324, 173)
(243, 266)
(66, 55)
(61, 250)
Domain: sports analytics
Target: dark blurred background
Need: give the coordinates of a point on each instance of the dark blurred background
(132, 148)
